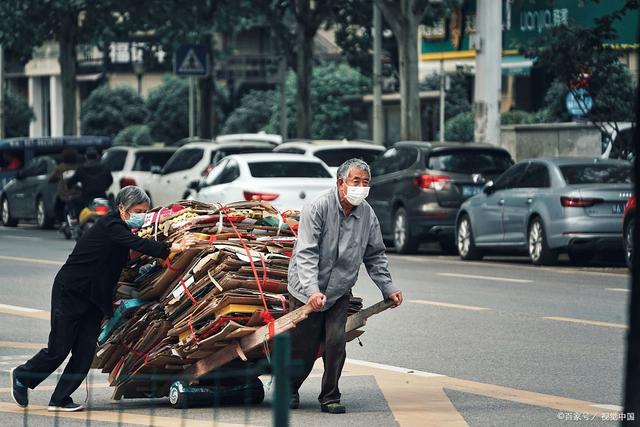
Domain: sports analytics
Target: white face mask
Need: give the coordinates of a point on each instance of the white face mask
(356, 195)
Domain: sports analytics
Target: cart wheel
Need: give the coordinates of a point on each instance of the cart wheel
(257, 391)
(177, 396)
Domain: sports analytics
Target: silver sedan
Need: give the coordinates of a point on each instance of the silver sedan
(548, 206)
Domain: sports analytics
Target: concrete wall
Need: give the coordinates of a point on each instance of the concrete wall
(552, 139)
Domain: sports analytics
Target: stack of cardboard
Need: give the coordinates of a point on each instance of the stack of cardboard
(172, 314)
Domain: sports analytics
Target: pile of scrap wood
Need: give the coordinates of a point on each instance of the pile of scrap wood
(172, 313)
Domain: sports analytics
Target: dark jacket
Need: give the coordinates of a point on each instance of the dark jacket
(92, 270)
(95, 179)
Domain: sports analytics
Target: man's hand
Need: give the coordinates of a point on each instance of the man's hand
(396, 297)
(317, 300)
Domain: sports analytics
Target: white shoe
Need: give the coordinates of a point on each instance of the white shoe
(69, 407)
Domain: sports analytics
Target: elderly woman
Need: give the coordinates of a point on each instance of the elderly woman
(83, 293)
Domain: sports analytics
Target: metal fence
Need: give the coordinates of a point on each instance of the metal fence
(234, 387)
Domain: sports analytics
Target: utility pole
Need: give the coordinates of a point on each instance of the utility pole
(192, 113)
(442, 94)
(488, 78)
(1, 91)
(378, 116)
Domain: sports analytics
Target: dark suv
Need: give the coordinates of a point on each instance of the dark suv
(417, 188)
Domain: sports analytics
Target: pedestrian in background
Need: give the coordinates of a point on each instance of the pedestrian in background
(83, 292)
(338, 232)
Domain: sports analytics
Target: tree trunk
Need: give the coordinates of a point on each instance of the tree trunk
(67, 59)
(410, 117)
(205, 101)
(304, 67)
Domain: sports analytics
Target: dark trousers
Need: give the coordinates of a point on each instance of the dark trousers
(74, 328)
(320, 328)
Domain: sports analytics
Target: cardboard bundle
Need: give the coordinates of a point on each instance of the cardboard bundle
(173, 313)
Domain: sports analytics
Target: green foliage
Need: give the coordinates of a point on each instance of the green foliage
(331, 116)
(456, 99)
(109, 110)
(459, 128)
(519, 117)
(134, 135)
(252, 114)
(17, 115)
(168, 106)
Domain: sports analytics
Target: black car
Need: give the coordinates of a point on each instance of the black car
(30, 195)
(417, 188)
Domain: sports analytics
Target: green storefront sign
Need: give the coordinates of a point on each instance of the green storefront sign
(523, 21)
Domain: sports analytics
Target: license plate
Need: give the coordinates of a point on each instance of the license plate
(617, 208)
(471, 190)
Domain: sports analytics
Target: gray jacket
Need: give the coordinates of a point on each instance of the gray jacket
(331, 247)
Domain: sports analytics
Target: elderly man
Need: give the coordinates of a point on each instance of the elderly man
(338, 232)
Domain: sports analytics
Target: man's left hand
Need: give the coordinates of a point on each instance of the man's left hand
(396, 297)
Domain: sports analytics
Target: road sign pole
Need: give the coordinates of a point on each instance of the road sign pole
(192, 112)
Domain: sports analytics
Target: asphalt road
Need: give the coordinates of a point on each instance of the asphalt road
(496, 342)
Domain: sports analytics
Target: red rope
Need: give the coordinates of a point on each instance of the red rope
(184, 285)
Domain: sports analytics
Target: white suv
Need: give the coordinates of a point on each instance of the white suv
(333, 152)
(190, 163)
(134, 165)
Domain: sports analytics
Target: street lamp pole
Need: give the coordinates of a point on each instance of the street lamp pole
(138, 69)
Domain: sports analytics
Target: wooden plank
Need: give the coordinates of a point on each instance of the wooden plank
(359, 319)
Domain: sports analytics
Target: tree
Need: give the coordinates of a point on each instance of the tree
(583, 58)
(134, 135)
(109, 110)
(404, 16)
(295, 23)
(27, 24)
(460, 128)
(17, 115)
(456, 100)
(168, 108)
(252, 114)
(331, 116)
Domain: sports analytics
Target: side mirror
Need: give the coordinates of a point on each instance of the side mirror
(489, 188)
(19, 175)
(155, 169)
(194, 185)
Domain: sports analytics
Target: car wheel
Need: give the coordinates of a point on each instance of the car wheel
(5, 214)
(402, 239)
(465, 242)
(42, 219)
(539, 251)
(628, 242)
(581, 257)
(448, 245)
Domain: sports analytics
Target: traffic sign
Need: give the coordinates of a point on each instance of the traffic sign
(580, 104)
(191, 60)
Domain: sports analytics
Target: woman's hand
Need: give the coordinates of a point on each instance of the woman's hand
(184, 243)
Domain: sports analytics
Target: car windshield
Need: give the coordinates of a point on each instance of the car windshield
(114, 160)
(597, 174)
(145, 160)
(470, 161)
(221, 153)
(288, 170)
(334, 157)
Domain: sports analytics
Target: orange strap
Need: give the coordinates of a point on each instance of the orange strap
(167, 263)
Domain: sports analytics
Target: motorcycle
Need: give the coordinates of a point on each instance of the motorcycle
(74, 227)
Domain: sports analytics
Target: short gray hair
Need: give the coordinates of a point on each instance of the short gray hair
(343, 170)
(130, 196)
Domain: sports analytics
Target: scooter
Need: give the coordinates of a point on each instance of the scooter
(74, 228)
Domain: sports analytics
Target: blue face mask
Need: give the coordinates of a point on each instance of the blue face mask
(136, 220)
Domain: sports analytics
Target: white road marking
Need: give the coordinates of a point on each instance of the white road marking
(588, 322)
(30, 260)
(618, 290)
(614, 408)
(22, 238)
(490, 278)
(448, 305)
(18, 308)
(393, 368)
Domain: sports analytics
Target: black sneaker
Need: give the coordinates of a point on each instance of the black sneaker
(19, 392)
(333, 408)
(294, 403)
(69, 407)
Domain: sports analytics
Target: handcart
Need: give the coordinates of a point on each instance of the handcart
(230, 374)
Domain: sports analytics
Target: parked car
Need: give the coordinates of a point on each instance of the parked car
(250, 137)
(133, 165)
(547, 206)
(333, 152)
(417, 188)
(30, 195)
(190, 163)
(288, 181)
(628, 226)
